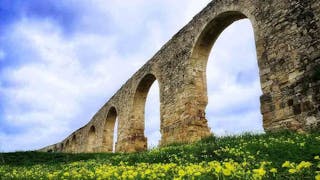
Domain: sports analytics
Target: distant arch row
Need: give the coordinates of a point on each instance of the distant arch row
(107, 142)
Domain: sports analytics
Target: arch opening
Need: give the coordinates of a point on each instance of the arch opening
(229, 71)
(115, 135)
(152, 116)
(91, 139)
(67, 146)
(110, 131)
(61, 147)
(146, 126)
(73, 143)
(55, 148)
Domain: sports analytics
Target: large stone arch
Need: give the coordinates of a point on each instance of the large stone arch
(108, 131)
(192, 92)
(201, 50)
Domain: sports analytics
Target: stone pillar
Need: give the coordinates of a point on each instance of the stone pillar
(288, 45)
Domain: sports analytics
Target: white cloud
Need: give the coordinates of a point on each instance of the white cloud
(236, 123)
(57, 85)
(231, 96)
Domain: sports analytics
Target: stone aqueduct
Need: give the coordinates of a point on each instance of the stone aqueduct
(287, 37)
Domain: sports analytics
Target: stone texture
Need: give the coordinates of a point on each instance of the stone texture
(287, 36)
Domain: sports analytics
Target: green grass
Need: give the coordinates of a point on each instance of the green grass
(274, 148)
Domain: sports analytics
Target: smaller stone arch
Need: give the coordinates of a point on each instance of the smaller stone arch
(137, 116)
(61, 147)
(73, 143)
(67, 146)
(109, 129)
(91, 139)
(55, 148)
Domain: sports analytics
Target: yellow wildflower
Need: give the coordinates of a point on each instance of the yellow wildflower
(303, 164)
(226, 172)
(181, 172)
(148, 171)
(229, 166)
(50, 176)
(292, 171)
(66, 174)
(273, 170)
(261, 172)
(286, 164)
(244, 164)
(197, 174)
(317, 158)
(317, 177)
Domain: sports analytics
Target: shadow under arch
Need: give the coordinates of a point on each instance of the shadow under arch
(109, 130)
(73, 143)
(67, 146)
(203, 46)
(61, 147)
(138, 111)
(92, 138)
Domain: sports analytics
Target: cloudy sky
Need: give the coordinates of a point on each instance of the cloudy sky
(60, 61)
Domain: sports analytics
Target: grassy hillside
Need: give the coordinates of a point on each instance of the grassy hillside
(269, 156)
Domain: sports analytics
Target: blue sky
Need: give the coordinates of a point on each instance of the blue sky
(60, 61)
